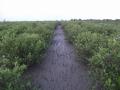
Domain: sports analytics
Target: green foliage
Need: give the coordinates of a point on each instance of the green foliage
(88, 42)
(99, 42)
(21, 44)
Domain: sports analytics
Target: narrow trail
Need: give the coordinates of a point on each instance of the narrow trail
(60, 69)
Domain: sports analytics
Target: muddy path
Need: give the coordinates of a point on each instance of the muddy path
(60, 69)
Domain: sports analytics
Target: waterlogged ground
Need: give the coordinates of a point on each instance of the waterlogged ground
(60, 69)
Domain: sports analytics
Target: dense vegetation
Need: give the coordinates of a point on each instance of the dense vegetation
(98, 43)
(21, 44)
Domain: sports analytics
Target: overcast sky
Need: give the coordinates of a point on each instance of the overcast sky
(59, 9)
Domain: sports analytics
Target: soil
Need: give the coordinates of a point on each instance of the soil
(60, 69)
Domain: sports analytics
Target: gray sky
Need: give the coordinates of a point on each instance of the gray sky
(59, 9)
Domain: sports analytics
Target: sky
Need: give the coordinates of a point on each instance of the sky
(27, 10)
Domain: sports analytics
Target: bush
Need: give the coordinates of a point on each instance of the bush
(99, 42)
(21, 45)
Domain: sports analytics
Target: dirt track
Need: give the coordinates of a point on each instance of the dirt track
(60, 69)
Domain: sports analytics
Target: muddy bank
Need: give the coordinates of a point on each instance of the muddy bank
(60, 69)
